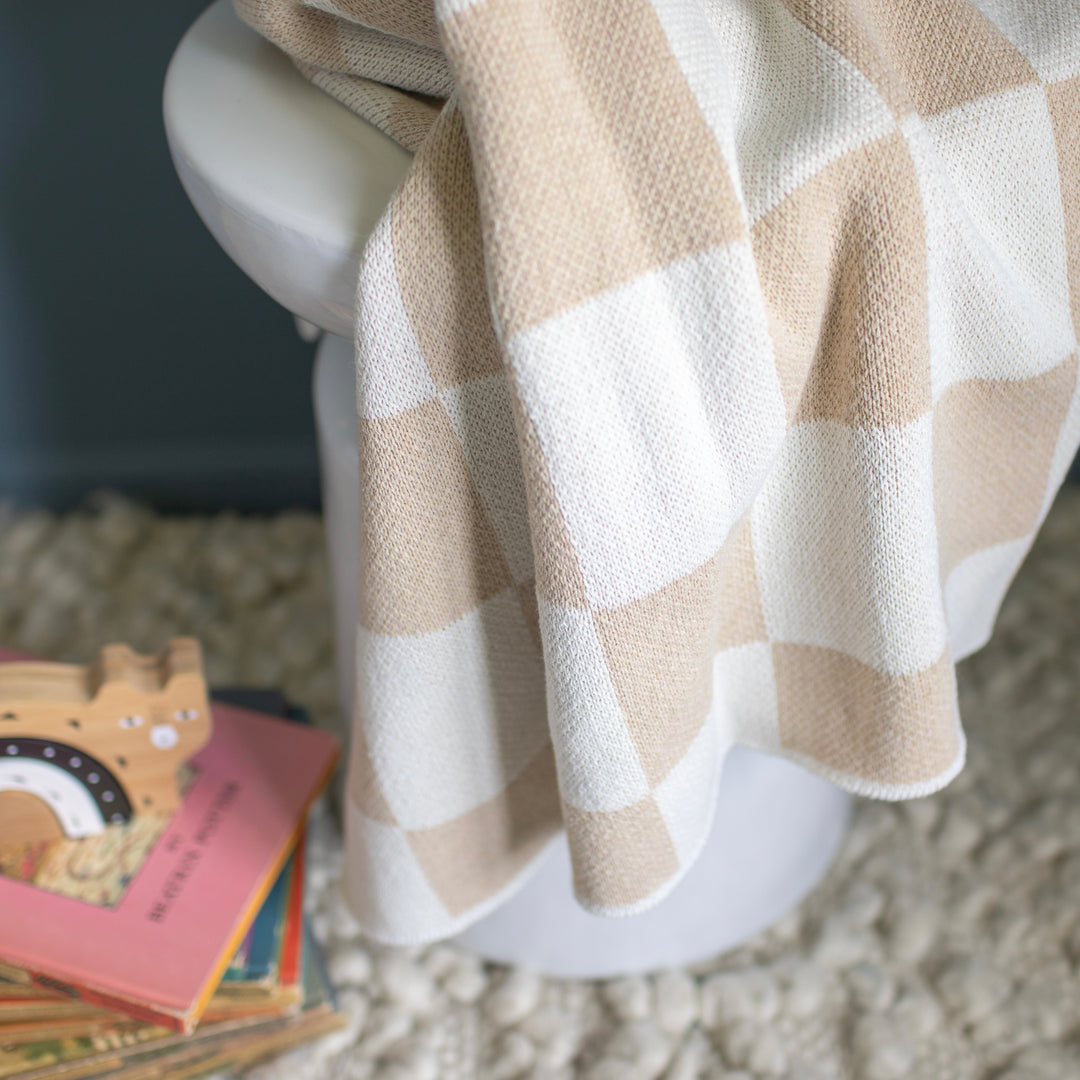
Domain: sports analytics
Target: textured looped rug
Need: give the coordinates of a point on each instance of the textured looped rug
(943, 945)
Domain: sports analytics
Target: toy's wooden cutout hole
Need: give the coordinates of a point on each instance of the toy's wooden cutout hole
(122, 762)
(147, 800)
(28, 817)
(75, 723)
(8, 716)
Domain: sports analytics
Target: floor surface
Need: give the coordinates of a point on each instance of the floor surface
(944, 944)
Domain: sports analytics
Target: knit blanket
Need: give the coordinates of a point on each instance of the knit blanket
(716, 366)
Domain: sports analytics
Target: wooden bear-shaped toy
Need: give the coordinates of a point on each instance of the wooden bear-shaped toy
(84, 747)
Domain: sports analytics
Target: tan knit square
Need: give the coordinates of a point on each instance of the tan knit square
(740, 620)
(843, 270)
(659, 652)
(564, 224)
(993, 444)
(413, 21)
(621, 857)
(885, 729)
(847, 28)
(438, 257)
(946, 52)
(427, 550)
(471, 858)
(677, 631)
(1063, 100)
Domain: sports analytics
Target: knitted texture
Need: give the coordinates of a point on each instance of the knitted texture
(716, 367)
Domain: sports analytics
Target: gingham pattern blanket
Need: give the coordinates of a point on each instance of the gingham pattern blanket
(717, 363)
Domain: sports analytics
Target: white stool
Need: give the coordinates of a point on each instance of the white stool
(291, 183)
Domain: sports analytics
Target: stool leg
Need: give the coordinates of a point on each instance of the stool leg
(339, 468)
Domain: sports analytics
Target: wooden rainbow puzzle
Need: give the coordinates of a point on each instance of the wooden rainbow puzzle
(82, 747)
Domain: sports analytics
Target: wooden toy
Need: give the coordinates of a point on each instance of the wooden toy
(84, 747)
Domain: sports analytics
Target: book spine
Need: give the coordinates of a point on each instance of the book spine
(103, 999)
(292, 939)
(266, 929)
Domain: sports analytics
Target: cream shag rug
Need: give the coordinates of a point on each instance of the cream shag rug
(944, 944)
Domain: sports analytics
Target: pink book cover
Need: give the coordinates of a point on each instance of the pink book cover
(146, 917)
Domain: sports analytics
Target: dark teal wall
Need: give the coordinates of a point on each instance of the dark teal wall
(133, 353)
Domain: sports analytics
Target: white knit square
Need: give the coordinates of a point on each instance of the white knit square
(599, 767)
(686, 795)
(386, 885)
(744, 695)
(846, 544)
(974, 591)
(1044, 31)
(1001, 158)
(658, 412)
(391, 372)
(480, 413)
(798, 104)
(447, 9)
(451, 717)
(996, 265)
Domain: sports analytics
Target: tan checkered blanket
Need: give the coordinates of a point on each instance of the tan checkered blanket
(717, 363)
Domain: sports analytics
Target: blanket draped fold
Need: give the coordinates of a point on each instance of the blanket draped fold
(717, 364)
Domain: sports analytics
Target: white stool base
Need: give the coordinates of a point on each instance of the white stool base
(776, 831)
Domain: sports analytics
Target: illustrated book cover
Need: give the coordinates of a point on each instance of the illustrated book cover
(146, 917)
(143, 1051)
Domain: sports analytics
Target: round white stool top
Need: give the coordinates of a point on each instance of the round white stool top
(288, 180)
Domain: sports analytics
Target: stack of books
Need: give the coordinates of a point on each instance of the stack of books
(172, 947)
